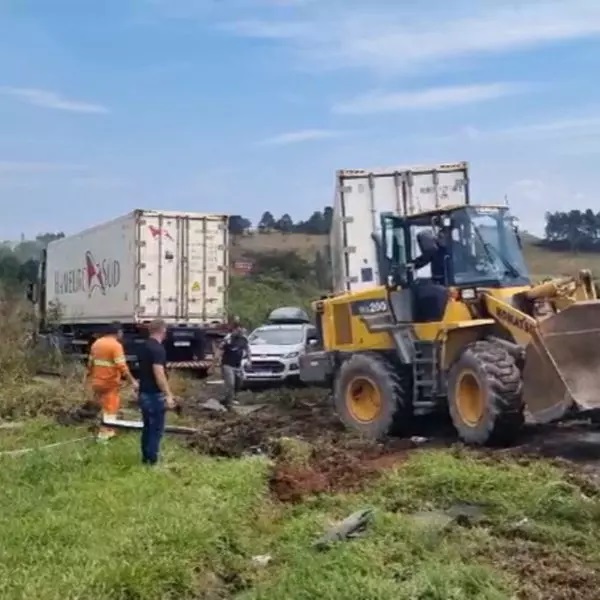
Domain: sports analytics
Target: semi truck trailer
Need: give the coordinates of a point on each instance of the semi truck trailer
(139, 267)
(363, 195)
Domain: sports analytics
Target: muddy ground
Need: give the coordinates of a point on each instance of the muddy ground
(283, 423)
(312, 453)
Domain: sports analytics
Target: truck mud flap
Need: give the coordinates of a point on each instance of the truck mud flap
(562, 363)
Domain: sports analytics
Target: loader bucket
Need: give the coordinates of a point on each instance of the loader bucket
(562, 363)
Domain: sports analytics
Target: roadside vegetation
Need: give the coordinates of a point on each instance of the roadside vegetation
(83, 521)
(234, 511)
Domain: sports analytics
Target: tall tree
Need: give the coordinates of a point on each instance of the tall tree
(574, 230)
(327, 218)
(267, 221)
(285, 224)
(238, 224)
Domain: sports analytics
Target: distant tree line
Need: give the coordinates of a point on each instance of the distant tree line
(574, 231)
(19, 262)
(319, 223)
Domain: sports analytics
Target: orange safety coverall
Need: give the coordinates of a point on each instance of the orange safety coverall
(107, 366)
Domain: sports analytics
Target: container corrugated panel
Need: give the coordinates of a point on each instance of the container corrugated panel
(363, 195)
(146, 264)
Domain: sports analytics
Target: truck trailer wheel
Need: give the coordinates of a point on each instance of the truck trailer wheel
(368, 395)
(484, 395)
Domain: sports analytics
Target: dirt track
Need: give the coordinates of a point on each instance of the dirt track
(337, 459)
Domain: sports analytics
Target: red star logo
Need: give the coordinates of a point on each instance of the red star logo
(158, 232)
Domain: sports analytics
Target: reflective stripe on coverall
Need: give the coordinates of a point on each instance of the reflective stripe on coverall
(107, 365)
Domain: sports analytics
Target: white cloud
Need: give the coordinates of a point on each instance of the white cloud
(385, 36)
(585, 126)
(577, 129)
(53, 100)
(303, 135)
(431, 98)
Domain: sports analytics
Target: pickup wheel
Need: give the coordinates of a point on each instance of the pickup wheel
(368, 395)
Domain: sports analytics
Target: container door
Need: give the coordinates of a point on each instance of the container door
(160, 266)
(363, 200)
(205, 283)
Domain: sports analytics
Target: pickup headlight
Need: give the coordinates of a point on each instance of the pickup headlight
(291, 355)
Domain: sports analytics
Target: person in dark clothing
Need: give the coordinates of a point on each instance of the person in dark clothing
(234, 349)
(155, 395)
(431, 296)
(433, 252)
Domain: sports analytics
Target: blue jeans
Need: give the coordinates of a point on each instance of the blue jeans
(153, 416)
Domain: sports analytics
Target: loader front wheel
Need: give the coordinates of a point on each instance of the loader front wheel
(484, 395)
(368, 395)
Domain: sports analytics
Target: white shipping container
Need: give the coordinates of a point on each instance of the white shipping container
(362, 196)
(143, 265)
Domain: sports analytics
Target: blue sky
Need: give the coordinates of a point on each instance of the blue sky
(239, 106)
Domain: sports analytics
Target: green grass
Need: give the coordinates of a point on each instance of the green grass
(546, 263)
(87, 521)
(540, 261)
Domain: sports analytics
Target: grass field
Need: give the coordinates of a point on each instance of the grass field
(541, 261)
(88, 521)
(305, 245)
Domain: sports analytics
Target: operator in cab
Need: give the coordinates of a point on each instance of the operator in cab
(431, 294)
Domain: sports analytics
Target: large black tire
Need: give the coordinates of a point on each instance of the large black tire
(365, 375)
(484, 395)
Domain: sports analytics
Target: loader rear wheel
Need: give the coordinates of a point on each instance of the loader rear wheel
(484, 395)
(368, 395)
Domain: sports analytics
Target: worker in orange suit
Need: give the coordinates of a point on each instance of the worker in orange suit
(107, 367)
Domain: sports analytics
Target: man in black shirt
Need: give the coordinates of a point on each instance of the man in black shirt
(233, 351)
(155, 394)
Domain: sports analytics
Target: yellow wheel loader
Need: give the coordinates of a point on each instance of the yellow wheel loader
(455, 325)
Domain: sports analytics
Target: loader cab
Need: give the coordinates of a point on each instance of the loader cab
(475, 246)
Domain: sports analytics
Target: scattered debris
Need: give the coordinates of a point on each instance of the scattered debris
(12, 425)
(521, 523)
(212, 404)
(262, 560)
(437, 520)
(122, 424)
(353, 526)
(466, 514)
(418, 440)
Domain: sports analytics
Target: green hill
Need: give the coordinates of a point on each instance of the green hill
(542, 262)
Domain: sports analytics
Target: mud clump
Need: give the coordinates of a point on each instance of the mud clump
(345, 467)
(307, 415)
(312, 451)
